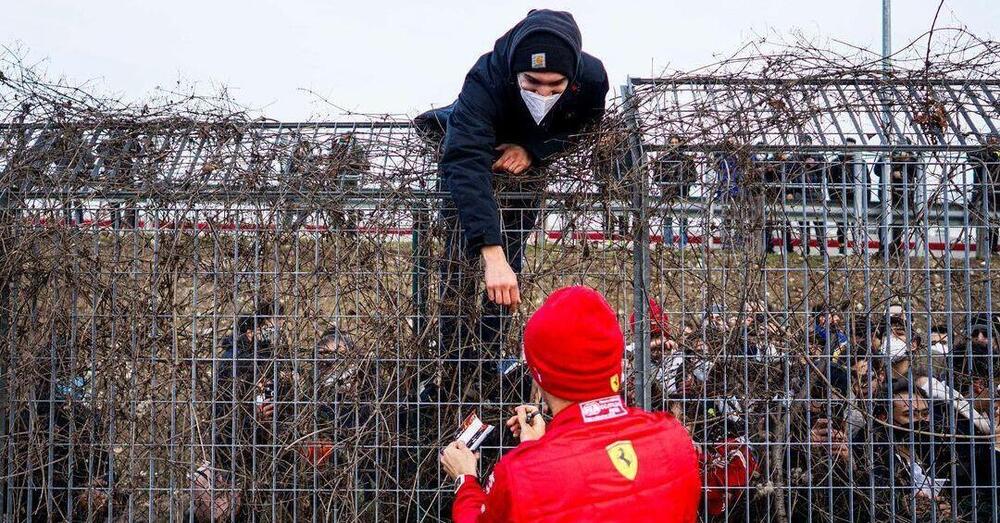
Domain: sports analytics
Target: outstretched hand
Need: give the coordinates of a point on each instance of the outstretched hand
(501, 280)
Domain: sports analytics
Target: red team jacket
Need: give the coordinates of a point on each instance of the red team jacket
(598, 461)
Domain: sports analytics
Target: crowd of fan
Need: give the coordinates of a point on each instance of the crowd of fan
(884, 415)
(888, 413)
(847, 185)
(271, 412)
(887, 417)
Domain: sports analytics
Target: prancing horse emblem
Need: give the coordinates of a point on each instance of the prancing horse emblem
(623, 457)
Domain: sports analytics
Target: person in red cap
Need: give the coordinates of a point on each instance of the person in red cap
(596, 460)
(659, 328)
(666, 360)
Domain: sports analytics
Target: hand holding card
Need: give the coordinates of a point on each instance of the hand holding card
(459, 457)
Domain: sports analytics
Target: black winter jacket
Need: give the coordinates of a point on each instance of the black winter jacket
(489, 111)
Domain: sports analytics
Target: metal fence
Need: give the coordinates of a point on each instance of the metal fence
(270, 320)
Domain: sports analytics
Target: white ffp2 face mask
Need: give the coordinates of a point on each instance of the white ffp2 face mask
(939, 348)
(898, 348)
(539, 105)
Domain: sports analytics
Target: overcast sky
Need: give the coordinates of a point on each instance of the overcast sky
(404, 56)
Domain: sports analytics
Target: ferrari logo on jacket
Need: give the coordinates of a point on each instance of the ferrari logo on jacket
(623, 457)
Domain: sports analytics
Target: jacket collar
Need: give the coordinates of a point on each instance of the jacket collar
(585, 412)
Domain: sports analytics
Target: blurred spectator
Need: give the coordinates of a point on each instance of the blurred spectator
(715, 317)
(822, 461)
(828, 326)
(804, 173)
(758, 334)
(345, 392)
(899, 345)
(612, 159)
(348, 162)
(974, 413)
(343, 170)
(986, 187)
(975, 364)
(938, 349)
(302, 168)
(661, 349)
(730, 190)
(867, 332)
(338, 172)
(691, 386)
(723, 425)
(903, 181)
(903, 456)
(659, 328)
(728, 468)
(768, 167)
(342, 394)
(674, 172)
(249, 386)
(867, 378)
(849, 191)
(729, 174)
(71, 482)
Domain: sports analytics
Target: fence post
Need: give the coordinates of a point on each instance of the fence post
(885, 203)
(640, 251)
(980, 194)
(7, 223)
(420, 241)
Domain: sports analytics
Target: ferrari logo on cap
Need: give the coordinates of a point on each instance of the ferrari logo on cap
(615, 383)
(623, 457)
(538, 61)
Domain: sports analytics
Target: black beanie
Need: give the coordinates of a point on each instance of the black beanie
(543, 51)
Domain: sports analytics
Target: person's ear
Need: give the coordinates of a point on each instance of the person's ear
(536, 392)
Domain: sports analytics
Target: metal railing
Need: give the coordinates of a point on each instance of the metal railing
(164, 289)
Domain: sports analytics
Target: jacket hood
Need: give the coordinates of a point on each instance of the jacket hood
(559, 23)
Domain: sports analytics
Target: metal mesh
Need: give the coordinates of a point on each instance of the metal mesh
(209, 316)
(822, 313)
(139, 260)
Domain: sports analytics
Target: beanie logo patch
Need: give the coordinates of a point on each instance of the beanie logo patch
(615, 382)
(538, 61)
(622, 455)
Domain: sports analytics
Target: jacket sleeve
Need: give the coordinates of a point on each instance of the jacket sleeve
(466, 165)
(560, 142)
(474, 505)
